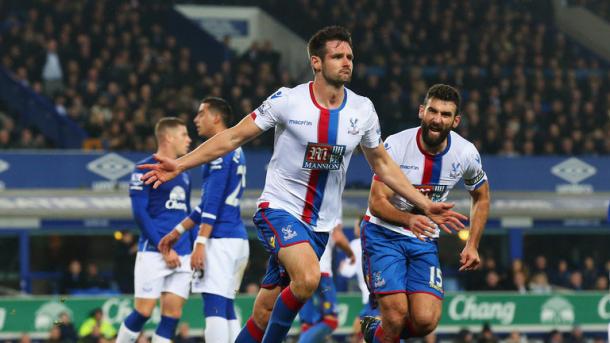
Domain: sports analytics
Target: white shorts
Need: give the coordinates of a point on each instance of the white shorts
(152, 276)
(225, 263)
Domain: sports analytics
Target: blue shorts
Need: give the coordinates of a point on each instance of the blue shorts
(279, 229)
(395, 263)
(322, 303)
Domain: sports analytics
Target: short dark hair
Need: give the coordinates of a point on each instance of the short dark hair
(317, 44)
(167, 123)
(220, 106)
(446, 93)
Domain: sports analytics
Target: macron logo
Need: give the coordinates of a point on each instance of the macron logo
(300, 122)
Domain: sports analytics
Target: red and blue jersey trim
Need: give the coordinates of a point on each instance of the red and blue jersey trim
(433, 164)
(328, 126)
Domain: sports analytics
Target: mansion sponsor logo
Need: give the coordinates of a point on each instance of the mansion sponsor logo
(574, 171)
(467, 307)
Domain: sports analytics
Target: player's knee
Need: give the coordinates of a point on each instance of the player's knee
(394, 319)
(306, 285)
(425, 323)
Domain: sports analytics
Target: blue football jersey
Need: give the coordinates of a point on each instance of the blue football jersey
(224, 180)
(158, 211)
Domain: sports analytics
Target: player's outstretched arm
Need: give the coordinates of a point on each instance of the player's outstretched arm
(389, 172)
(217, 146)
(479, 211)
(380, 207)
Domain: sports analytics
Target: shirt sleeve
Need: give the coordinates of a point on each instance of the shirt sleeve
(474, 175)
(392, 150)
(372, 130)
(269, 113)
(140, 193)
(215, 188)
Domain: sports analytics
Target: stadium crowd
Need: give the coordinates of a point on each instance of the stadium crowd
(112, 67)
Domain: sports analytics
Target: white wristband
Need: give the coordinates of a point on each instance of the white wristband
(201, 240)
(180, 228)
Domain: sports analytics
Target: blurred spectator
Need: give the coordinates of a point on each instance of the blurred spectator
(124, 261)
(519, 283)
(492, 281)
(54, 335)
(93, 279)
(539, 284)
(576, 280)
(517, 267)
(25, 338)
(601, 284)
(464, 336)
(540, 265)
(561, 276)
(52, 73)
(67, 329)
(183, 334)
(555, 336)
(96, 327)
(576, 335)
(73, 278)
(515, 337)
(519, 97)
(589, 273)
(487, 335)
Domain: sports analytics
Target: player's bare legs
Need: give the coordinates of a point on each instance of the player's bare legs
(303, 267)
(145, 306)
(263, 305)
(415, 315)
(171, 305)
(301, 263)
(425, 313)
(394, 309)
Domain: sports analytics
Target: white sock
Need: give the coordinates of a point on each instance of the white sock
(158, 339)
(125, 335)
(234, 329)
(217, 330)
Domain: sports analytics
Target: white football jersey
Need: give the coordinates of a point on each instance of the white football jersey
(433, 175)
(313, 147)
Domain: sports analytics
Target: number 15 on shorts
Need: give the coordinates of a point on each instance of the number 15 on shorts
(436, 278)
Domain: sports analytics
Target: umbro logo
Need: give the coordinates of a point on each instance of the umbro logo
(111, 166)
(4, 166)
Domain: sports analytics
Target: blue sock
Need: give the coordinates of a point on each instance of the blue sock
(135, 321)
(319, 331)
(167, 327)
(285, 309)
(250, 333)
